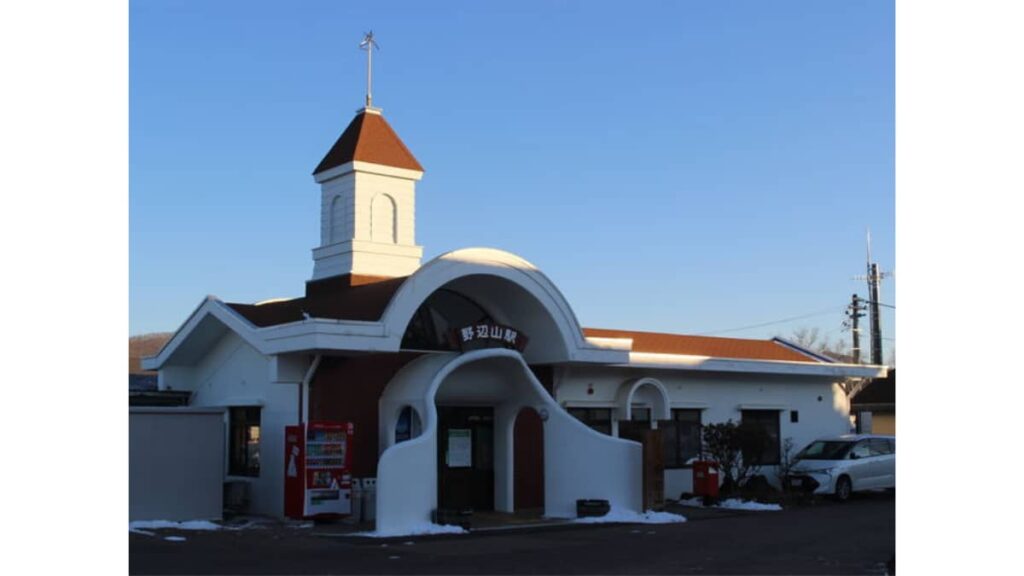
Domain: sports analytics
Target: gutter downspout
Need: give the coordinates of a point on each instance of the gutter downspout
(304, 389)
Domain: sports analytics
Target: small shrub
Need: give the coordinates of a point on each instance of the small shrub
(725, 443)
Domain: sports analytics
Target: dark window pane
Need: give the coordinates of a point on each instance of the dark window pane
(689, 434)
(669, 443)
(640, 414)
(880, 447)
(681, 437)
(861, 449)
(764, 425)
(403, 428)
(599, 419)
(244, 441)
(687, 415)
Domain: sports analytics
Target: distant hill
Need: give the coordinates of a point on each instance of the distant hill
(144, 345)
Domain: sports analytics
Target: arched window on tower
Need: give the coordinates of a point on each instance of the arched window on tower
(433, 325)
(336, 226)
(382, 219)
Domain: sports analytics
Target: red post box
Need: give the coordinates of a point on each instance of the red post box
(705, 479)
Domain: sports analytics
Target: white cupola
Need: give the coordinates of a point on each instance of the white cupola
(367, 203)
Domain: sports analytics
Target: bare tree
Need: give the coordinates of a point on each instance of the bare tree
(812, 339)
(785, 461)
(725, 443)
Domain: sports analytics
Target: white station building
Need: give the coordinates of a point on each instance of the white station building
(475, 340)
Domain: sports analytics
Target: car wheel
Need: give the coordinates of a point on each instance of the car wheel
(843, 488)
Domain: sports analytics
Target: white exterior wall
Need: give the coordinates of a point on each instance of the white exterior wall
(233, 373)
(721, 397)
(175, 378)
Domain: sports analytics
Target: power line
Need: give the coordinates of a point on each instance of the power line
(881, 304)
(829, 310)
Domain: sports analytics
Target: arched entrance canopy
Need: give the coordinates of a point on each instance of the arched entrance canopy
(578, 462)
(514, 291)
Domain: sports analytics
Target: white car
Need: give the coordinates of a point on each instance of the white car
(841, 465)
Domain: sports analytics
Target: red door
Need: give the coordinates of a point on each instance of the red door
(528, 460)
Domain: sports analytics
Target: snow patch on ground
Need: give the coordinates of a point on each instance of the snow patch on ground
(733, 504)
(630, 517)
(175, 538)
(424, 529)
(141, 526)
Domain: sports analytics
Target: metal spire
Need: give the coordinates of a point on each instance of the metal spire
(369, 44)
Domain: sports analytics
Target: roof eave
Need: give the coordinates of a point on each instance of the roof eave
(210, 306)
(713, 364)
(369, 167)
(802, 350)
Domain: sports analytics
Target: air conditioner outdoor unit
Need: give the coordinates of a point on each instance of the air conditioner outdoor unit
(236, 496)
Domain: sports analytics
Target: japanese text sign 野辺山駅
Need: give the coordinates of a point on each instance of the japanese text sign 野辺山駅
(490, 335)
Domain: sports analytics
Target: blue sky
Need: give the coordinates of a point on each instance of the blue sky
(691, 167)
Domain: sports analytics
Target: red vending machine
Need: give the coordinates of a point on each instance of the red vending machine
(317, 479)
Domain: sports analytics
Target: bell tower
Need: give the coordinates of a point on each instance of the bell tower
(367, 199)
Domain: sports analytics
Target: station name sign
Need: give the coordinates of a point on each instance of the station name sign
(490, 335)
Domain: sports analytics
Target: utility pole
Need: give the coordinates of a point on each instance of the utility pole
(874, 278)
(855, 312)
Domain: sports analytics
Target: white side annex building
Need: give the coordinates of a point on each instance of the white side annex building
(480, 342)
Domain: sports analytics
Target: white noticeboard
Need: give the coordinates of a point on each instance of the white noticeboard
(460, 448)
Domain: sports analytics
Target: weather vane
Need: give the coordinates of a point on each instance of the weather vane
(369, 44)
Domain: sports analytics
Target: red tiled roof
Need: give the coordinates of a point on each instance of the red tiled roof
(369, 138)
(345, 297)
(658, 343)
(356, 297)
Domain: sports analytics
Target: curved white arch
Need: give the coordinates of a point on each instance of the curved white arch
(628, 389)
(579, 462)
(506, 266)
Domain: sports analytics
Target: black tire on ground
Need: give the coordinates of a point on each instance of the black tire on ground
(843, 489)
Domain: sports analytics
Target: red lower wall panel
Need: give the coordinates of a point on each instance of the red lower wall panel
(348, 390)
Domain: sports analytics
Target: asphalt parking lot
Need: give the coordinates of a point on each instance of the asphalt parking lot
(857, 537)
